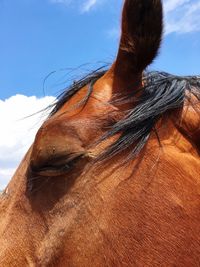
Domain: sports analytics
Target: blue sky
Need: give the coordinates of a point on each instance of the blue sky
(41, 36)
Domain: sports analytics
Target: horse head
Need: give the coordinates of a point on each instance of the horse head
(112, 178)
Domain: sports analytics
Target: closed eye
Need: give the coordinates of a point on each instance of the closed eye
(57, 165)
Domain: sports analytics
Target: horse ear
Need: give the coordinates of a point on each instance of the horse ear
(142, 25)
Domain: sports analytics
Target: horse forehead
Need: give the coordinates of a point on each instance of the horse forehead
(80, 121)
(60, 129)
(65, 132)
(62, 125)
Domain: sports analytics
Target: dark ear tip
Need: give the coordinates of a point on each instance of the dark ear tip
(142, 26)
(141, 14)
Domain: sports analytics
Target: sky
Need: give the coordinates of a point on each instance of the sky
(61, 39)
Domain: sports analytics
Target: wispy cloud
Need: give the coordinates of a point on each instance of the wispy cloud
(87, 5)
(182, 16)
(83, 5)
(171, 5)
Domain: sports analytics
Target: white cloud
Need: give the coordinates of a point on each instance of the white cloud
(17, 132)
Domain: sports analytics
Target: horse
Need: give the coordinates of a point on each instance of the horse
(113, 175)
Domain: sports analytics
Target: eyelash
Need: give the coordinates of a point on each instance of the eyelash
(53, 169)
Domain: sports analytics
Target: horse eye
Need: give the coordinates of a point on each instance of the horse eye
(57, 166)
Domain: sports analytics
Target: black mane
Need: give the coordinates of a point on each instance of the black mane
(161, 93)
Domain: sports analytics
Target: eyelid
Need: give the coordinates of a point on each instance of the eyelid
(56, 166)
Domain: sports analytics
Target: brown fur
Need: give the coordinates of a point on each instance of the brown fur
(144, 213)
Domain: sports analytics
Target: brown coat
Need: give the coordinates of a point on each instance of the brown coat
(103, 213)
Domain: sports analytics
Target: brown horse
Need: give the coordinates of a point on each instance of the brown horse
(113, 176)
